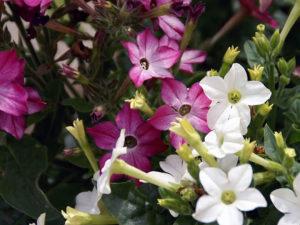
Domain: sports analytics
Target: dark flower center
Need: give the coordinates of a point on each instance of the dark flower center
(184, 109)
(130, 142)
(144, 64)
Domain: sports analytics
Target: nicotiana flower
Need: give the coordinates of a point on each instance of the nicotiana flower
(260, 12)
(149, 59)
(142, 140)
(40, 220)
(103, 181)
(88, 202)
(188, 57)
(225, 139)
(225, 164)
(232, 96)
(16, 101)
(181, 102)
(227, 195)
(297, 71)
(288, 202)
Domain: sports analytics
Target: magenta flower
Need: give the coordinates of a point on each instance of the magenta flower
(41, 5)
(181, 102)
(260, 12)
(188, 57)
(142, 140)
(297, 71)
(16, 101)
(150, 60)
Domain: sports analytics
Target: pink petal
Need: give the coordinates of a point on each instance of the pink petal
(159, 72)
(173, 93)
(165, 57)
(34, 101)
(193, 56)
(32, 3)
(13, 99)
(297, 71)
(149, 140)
(137, 160)
(168, 42)
(163, 117)
(128, 119)
(147, 43)
(199, 120)
(104, 134)
(138, 75)
(172, 26)
(188, 68)
(11, 67)
(197, 97)
(133, 52)
(264, 5)
(14, 125)
(44, 5)
(176, 141)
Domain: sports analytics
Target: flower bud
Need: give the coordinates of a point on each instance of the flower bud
(275, 39)
(256, 72)
(179, 206)
(289, 157)
(284, 80)
(279, 140)
(231, 54)
(264, 109)
(261, 28)
(247, 150)
(212, 73)
(283, 66)
(139, 102)
(262, 45)
(188, 194)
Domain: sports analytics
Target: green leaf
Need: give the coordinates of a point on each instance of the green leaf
(293, 114)
(252, 55)
(294, 136)
(22, 163)
(270, 145)
(132, 206)
(80, 105)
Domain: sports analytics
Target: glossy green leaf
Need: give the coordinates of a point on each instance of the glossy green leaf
(270, 145)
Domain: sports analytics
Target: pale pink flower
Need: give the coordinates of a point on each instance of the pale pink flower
(149, 59)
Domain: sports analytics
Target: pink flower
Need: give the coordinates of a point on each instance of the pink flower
(170, 24)
(297, 71)
(149, 59)
(142, 140)
(260, 12)
(181, 102)
(16, 101)
(188, 57)
(41, 5)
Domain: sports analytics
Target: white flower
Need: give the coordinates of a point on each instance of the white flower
(225, 139)
(288, 202)
(88, 202)
(40, 220)
(225, 164)
(233, 95)
(228, 195)
(103, 181)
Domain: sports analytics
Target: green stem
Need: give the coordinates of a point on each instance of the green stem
(102, 219)
(89, 155)
(263, 177)
(294, 15)
(121, 167)
(268, 164)
(203, 152)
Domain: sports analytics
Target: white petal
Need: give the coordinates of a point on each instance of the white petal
(296, 185)
(236, 77)
(87, 202)
(212, 144)
(213, 180)
(255, 93)
(228, 162)
(103, 183)
(121, 139)
(161, 176)
(175, 166)
(240, 177)
(215, 113)
(284, 200)
(244, 114)
(174, 214)
(230, 216)
(214, 88)
(41, 219)
(250, 199)
(233, 142)
(233, 124)
(207, 209)
(289, 219)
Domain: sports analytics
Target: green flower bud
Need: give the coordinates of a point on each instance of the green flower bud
(279, 140)
(275, 39)
(283, 66)
(188, 194)
(256, 72)
(264, 109)
(289, 157)
(179, 206)
(231, 54)
(247, 150)
(284, 80)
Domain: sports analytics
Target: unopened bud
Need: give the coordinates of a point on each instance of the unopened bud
(262, 45)
(256, 72)
(231, 54)
(179, 206)
(279, 140)
(264, 109)
(247, 150)
(283, 66)
(284, 80)
(275, 39)
(139, 102)
(261, 28)
(188, 194)
(69, 71)
(289, 157)
(212, 73)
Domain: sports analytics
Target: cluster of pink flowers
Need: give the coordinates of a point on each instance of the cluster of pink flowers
(16, 100)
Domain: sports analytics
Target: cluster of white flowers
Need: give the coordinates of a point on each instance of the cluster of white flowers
(229, 114)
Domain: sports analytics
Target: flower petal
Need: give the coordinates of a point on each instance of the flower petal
(147, 43)
(212, 144)
(214, 88)
(176, 141)
(193, 56)
(173, 93)
(175, 166)
(172, 26)
(163, 117)
(250, 199)
(213, 180)
(296, 185)
(164, 57)
(137, 160)
(255, 93)
(240, 177)
(168, 42)
(285, 200)
(11, 67)
(233, 142)
(104, 134)
(87, 202)
(215, 113)
(230, 216)
(34, 101)
(289, 219)
(133, 52)
(236, 78)
(138, 75)
(207, 209)
(14, 125)
(228, 162)
(129, 119)
(244, 114)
